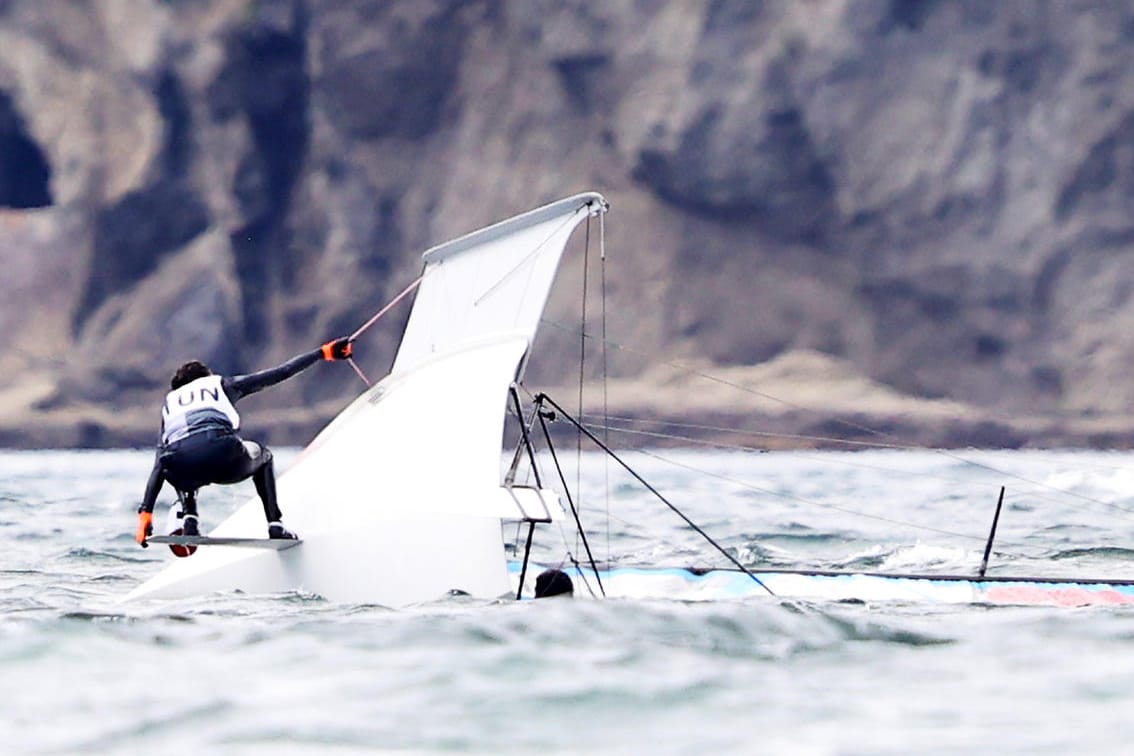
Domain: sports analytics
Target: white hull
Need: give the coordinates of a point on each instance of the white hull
(392, 563)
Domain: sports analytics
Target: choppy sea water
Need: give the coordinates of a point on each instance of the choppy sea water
(293, 673)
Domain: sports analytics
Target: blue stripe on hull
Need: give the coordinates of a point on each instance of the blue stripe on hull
(685, 584)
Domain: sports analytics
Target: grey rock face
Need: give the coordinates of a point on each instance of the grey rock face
(938, 193)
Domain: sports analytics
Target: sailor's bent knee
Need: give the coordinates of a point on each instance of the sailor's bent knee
(262, 455)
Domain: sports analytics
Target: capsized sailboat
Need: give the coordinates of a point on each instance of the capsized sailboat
(401, 498)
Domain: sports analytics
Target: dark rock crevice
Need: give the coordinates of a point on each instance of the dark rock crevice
(25, 174)
(132, 235)
(177, 144)
(778, 182)
(399, 89)
(264, 80)
(1108, 169)
(908, 15)
(581, 77)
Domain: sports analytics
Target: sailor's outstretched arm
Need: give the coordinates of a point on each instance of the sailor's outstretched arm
(153, 485)
(243, 385)
(146, 511)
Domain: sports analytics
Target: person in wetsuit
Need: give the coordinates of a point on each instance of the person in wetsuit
(199, 443)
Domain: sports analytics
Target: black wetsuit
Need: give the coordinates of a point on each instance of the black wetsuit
(205, 447)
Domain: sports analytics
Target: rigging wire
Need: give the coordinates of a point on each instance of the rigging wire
(800, 499)
(697, 528)
(752, 487)
(563, 534)
(582, 365)
(531, 470)
(812, 502)
(1082, 464)
(693, 440)
(605, 379)
(580, 571)
(749, 432)
(1037, 485)
(860, 427)
(566, 490)
(873, 445)
(575, 511)
(745, 484)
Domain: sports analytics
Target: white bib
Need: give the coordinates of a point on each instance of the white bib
(201, 400)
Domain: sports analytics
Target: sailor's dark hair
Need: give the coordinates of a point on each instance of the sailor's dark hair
(553, 582)
(189, 372)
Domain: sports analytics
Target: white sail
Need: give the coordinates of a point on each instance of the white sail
(399, 499)
(490, 282)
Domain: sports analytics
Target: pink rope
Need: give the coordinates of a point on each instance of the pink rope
(358, 370)
(386, 309)
(374, 320)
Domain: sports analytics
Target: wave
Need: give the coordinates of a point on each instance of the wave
(1105, 552)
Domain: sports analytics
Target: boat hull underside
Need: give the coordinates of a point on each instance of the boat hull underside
(710, 585)
(391, 563)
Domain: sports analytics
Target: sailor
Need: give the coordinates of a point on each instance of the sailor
(553, 582)
(199, 444)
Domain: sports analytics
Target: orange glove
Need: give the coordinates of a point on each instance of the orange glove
(339, 349)
(145, 528)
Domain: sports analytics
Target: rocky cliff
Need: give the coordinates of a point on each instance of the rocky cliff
(926, 199)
